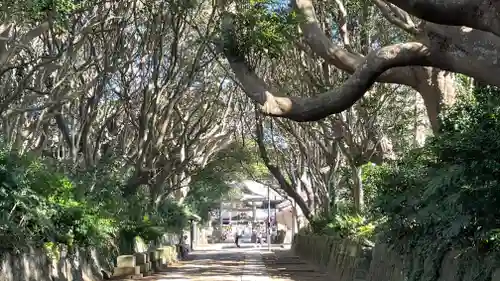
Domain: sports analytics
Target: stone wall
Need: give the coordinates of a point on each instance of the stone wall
(166, 239)
(36, 265)
(345, 260)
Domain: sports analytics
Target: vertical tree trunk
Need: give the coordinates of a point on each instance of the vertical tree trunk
(357, 191)
(332, 197)
(437, 88)
(181, 193)
(295, 226)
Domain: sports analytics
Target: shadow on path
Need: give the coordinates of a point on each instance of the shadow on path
(283, 265)
(211, 265)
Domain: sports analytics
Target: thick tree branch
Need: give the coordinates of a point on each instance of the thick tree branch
(398, 21)
(478, 14)
(444, 47)
(337, 56)
(344, 32)
(334, 101)
(434, 85)
(276, 172)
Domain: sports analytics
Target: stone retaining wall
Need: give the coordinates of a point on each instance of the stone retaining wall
(36, 265)
(343, 259)
(346, 260)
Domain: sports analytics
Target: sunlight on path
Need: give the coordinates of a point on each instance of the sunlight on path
(221, 265)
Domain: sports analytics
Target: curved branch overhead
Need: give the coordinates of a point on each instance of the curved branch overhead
(477, 14)
(420, 64)
(337, 100)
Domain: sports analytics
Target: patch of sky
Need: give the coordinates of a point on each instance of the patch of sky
(276, 5)
(273, 136)
(280, 6)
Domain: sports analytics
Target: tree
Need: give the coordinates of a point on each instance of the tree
(121, 99)
(290, 176)
(82, 85)
(380, 126)
(436, 42)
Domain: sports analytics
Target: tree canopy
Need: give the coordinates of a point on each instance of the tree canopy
(457, 44)
(123, 118)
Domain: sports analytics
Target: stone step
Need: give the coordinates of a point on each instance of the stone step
(125, 261)
(126, 271)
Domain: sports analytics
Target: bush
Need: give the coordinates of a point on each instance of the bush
(446, 194)
(42, 203)
(353, 227)
(39, 205)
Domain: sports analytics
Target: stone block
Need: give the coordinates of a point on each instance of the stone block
(141, 258)
(157, 266)
(125, 261)
(153, 255)
(126, 271)
(163, 261)
(159, 254)
(146, 267)
(165, 250)
(167, 254)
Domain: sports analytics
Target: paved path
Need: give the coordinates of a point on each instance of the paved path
(282, 265)
(223, 264)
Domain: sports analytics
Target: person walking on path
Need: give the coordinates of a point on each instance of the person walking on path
(237, 239)
(259, 238)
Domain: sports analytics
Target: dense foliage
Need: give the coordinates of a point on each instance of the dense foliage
(39, 10)
(439, 197)
(41, 202)
(345, 226)
(342, 221)
(446, 194)
(46, 202)
(264, 28)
